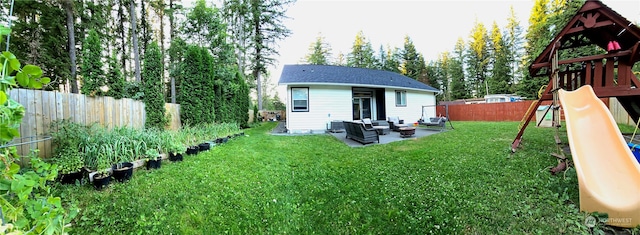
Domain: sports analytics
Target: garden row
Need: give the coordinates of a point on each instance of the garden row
(99, 154)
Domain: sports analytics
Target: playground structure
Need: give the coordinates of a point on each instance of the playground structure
(608, 174)
(610, 74)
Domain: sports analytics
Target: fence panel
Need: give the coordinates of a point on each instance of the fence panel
(44, 107)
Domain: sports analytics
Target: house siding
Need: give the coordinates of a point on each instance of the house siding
(413, 111)
(326, 103)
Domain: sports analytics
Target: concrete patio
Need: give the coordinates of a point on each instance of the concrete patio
(388, 138)
(393, 136)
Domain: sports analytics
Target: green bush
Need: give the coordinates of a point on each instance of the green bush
(153, 89)
(115, 79)
(197, 93)
(92, 74)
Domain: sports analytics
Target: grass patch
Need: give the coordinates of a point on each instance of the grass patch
(461, 181)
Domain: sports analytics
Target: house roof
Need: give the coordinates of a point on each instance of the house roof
(306, 74)
(594, 24)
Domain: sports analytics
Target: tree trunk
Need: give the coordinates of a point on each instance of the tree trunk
(161, 15)
(123, 37)
(258, 88)
(68, 8)
(134, 37)
(171, 35)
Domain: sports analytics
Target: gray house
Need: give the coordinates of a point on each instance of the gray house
(319, 94)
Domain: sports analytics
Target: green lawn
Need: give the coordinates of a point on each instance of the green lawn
(461, 181)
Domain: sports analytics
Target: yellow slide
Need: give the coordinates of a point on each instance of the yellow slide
(608, 173)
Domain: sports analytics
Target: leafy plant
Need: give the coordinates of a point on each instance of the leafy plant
(25, 197)
(69, 160)
(152, 154)
(67, 138)
(177, 148)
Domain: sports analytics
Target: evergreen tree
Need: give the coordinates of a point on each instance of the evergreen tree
(236, 15)
(241, 100)
(442, 70)
(134, 39)
(319, 52)
(145, 28)
(392, 60)
(39, 35)
(340, 60)
(118, 28)
(152, 83)
(115, 79)
(537, 37)
(499, 82)
(361, 55)
(477, 59)
(92, 73)
(514, 46)
(197, 94)
(411, 63)
(68, 6)
(458, 88)
(176, 52)
(265, 21)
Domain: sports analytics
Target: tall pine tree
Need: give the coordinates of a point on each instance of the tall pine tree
(361, 55)
(477, 59)
(537, 38)
(499, 82)
(459, 88)
(412, 64)
(319, 52)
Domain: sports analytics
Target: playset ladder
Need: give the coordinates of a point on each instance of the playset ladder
(524, 123)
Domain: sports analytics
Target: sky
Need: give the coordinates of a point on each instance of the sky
(433, 25)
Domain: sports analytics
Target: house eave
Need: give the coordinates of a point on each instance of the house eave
(357, 85)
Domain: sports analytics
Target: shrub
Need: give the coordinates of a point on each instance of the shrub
(152, 86)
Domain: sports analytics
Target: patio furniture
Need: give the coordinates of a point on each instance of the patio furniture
(336, 126)
(357, 131)
(395, 123)
(434, 121)
(407, 131)
(381, 129)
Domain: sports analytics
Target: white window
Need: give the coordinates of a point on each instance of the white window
(401, 98)
(300, 99)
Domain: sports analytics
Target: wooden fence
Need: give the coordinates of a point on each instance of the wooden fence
(511, 111)
(44, 107)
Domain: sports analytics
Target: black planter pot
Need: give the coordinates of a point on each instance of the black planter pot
(122, 171)
(219, 141)
(71, 177)
(175, 157)
(204, 146)
(225, 139)
(101, 180)
(241, 133)
(193, 150)
(154, 164)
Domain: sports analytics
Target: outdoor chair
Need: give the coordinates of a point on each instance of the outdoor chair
(381, 129)
(356, 131)
(395, 123)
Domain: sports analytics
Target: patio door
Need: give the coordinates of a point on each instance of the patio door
(361, 108)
